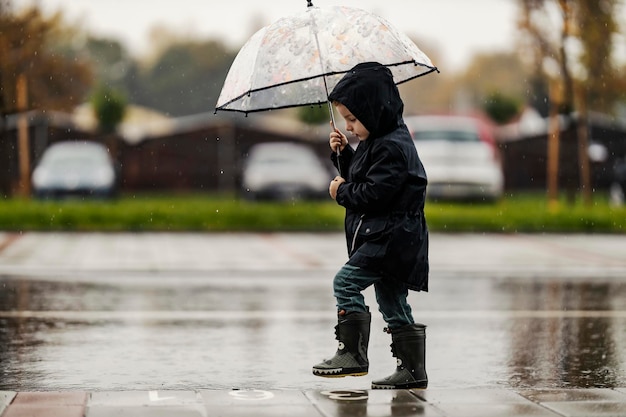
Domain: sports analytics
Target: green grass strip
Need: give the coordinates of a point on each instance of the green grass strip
(523, 213)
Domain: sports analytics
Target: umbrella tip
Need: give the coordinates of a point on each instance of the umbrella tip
(309, 3)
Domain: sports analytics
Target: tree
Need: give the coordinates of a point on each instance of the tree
(596, 27)
(115, 68)
(495, 80)
(34, 74)
(186, 77)
(501, 72)
(314, 114)
(109, 107)
(27, 49)
(571, 46)
(109, 59)
(501, 108)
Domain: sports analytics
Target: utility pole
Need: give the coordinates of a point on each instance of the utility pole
(553, 151)
(23, 142)
(583, 149)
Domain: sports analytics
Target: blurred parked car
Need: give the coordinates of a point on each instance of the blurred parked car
(75, 168)
(283, 171)
(460, 157)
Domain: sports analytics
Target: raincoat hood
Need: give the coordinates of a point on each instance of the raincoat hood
(369, 92)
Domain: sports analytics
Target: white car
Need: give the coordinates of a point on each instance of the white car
(460, 157)
(284, 171)
(75, 168)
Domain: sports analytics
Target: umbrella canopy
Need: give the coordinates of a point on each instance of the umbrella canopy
(297, 60)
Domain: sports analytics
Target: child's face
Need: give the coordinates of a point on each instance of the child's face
(352, 123)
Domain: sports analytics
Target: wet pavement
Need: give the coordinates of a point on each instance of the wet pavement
(222, 324)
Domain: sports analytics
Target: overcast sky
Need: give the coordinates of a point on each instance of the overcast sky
(458, 29)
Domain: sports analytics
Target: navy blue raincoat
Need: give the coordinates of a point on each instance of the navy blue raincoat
(385, 188)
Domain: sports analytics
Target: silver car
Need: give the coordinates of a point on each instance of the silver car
(284, 171)
(77, 168)
(460, 157)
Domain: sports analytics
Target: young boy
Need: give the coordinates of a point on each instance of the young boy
(383, 191)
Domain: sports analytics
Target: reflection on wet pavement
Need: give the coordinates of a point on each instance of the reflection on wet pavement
(572, 351)
(167, 331)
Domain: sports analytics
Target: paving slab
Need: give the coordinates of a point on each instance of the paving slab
(138, 411)
(47, 404)
(253, 397)
(470, 396)
(588, 402)
(260, 403)
(145, 403)
(371, 403)
(144, 398)
(495, 410)
(573, 395)
(5, 399)
(588, 408)
(482, 402)
(51, 398)
(264, 411)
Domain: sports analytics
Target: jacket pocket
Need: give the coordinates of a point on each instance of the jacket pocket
(370, 236)
(372, 228)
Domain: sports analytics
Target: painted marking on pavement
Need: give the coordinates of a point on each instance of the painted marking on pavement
(9, 240)
(346, 395)
(154, 396)
(300, 257)
(251, 395)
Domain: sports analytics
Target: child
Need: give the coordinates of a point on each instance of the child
(383, 191)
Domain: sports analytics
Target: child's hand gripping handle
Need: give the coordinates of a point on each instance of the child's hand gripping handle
(337, 142)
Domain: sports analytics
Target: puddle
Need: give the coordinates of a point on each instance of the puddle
(173, 333)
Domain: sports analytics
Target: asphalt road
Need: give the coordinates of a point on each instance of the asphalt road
(255, 311)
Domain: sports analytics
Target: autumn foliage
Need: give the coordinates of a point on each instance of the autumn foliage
(56, 79)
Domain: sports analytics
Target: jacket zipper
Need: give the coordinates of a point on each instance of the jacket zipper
(356, 233)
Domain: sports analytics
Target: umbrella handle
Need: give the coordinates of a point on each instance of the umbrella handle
(332, 121)
(332, 114)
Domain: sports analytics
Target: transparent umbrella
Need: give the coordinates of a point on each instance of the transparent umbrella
(297, 60)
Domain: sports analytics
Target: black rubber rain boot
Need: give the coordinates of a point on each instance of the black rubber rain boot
(409, 347)
(353, 333)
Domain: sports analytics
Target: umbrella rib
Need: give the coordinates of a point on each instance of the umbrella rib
(432, 69)
(261, 109)
(317, 43)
